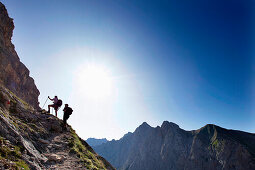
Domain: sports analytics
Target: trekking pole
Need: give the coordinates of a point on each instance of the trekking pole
(45, 102)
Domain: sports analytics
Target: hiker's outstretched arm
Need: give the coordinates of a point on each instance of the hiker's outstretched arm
(50, 98)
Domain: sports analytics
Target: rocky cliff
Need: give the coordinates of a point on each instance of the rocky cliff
(170, 148)
(13, 74)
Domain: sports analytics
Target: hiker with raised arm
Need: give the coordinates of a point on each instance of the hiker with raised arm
(56, 104)
(67, 112)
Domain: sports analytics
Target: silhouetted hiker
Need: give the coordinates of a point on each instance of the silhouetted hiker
(67, 112)
(56, 104)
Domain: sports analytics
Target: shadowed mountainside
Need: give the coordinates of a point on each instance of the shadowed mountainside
(169, 148)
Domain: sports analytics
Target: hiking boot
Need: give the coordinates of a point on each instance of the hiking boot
(64, 129)
(48, 111)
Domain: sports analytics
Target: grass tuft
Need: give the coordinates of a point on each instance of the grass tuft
(89, 159)
(12, 154)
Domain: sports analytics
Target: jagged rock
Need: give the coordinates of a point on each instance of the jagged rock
(13, 74)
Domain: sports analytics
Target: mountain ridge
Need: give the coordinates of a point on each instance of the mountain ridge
(170, 147)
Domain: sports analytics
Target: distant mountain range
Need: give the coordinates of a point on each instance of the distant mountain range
(170, 148)
(95, 142)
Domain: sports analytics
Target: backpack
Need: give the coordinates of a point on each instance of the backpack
(69, 111)
(59, 103)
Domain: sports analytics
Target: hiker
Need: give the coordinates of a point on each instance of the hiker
(67, 112)
(56, 104)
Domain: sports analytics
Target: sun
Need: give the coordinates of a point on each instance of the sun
(95, 82)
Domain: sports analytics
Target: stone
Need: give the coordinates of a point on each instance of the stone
(55, 157)
(43, 141)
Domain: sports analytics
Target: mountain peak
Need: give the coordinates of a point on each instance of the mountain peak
(144, 125)
(210, 127)
(167, 125)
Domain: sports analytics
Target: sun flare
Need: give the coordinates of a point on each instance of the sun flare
(95, 82)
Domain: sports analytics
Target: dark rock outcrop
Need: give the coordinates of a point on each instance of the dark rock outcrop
(13, 74)
(169, 148)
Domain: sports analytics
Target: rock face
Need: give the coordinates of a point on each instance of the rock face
(170, 148)
(13, 74)
(94, 141)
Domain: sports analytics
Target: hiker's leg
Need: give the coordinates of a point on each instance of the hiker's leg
(51, 105)
(64, 124)
(56, 112)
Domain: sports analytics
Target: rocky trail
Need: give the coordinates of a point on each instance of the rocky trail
(58, 157)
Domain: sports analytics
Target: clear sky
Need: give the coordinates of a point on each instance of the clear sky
(119, 63)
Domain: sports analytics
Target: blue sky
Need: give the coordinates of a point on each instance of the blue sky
(189, 62)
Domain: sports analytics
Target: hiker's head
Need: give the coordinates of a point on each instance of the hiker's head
(56, 96)
(66, 105)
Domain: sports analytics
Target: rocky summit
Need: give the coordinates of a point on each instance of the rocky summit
(30, 139)
(171, 148)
